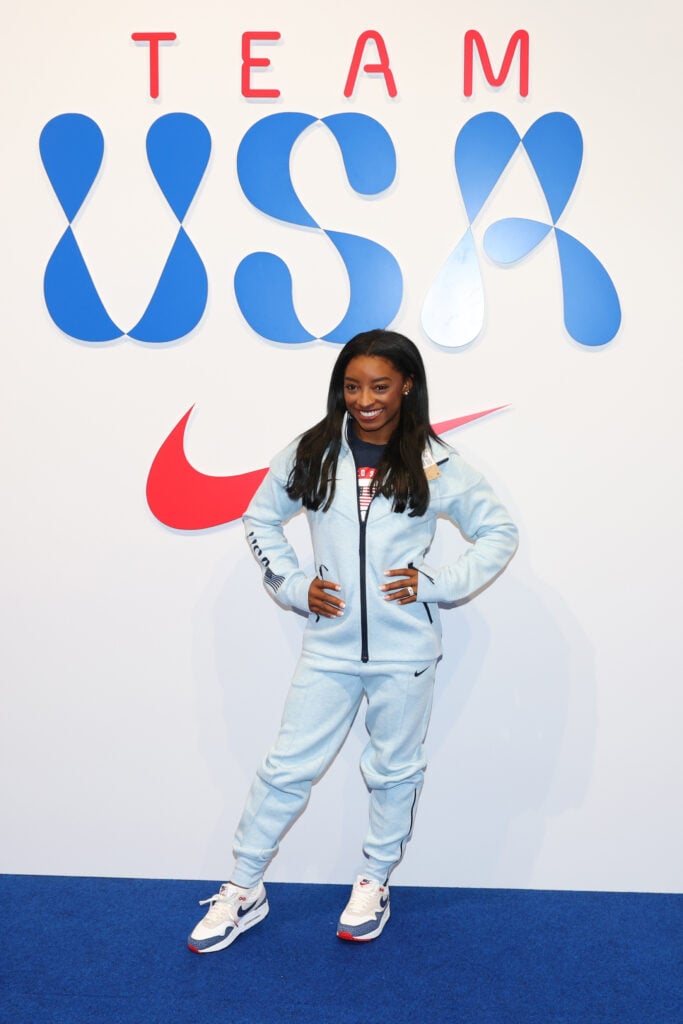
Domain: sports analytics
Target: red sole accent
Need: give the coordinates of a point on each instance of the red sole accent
(193, 948)
(349, 937)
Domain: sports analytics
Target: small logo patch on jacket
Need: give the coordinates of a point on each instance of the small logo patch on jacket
(273, 581)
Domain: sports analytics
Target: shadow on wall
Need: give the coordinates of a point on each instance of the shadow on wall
(512, 737)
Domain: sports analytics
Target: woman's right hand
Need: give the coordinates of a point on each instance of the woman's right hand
(321, 602)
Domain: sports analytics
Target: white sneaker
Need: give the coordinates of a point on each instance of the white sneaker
(366, 913)
(233, 910)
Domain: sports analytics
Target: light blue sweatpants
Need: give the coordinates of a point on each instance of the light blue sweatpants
(320, 708)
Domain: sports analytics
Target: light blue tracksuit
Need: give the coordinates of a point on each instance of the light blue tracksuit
(378, 649)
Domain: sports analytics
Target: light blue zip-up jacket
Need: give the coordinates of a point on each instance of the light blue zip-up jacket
(372, 628)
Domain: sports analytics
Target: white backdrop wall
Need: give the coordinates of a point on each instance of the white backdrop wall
(145, 667)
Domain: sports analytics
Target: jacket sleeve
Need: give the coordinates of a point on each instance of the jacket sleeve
(467, 499)
(270, 507)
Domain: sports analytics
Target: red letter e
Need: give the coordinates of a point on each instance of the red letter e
(249, 62)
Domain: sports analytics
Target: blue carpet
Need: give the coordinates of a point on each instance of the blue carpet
(93, 949)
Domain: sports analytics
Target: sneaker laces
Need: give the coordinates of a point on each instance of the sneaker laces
(222, 905)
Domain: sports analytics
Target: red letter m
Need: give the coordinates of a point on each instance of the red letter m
(474, 38)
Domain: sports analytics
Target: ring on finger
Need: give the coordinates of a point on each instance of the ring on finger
(411, 592)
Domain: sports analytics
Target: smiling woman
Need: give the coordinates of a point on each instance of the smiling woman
(373, 478)
(374, 391)
(379, 383)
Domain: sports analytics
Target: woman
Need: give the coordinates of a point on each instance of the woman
(372, 477)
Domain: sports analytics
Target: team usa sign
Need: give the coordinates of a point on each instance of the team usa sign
(178, 147)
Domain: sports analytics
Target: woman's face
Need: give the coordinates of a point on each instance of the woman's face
(373, 392)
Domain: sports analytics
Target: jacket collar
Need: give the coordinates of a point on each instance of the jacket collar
(346, 426)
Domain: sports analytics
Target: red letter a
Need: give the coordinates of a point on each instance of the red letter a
(382, 68)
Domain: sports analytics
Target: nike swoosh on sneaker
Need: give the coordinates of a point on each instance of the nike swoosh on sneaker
(421, 671)
(241, 911)
(181, 497)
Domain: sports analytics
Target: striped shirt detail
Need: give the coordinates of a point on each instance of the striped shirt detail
(366, 475)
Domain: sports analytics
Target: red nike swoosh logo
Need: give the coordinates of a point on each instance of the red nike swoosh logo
(185, 499)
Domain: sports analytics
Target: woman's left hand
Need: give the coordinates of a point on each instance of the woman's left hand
(403, 590)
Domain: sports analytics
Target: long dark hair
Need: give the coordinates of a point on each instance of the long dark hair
(400, 474)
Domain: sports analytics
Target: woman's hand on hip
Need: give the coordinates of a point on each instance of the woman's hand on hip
(402, 589)
(322, 602)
